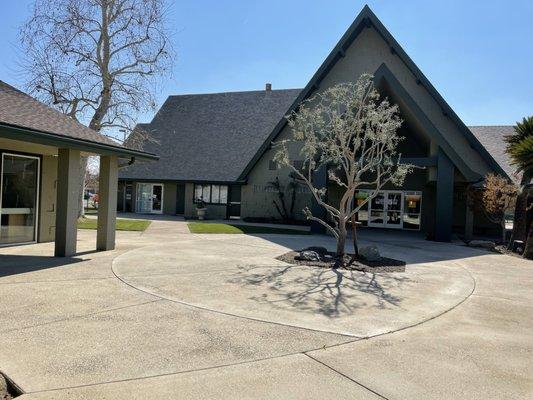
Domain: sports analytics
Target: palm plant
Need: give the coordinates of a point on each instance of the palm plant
(520, 150)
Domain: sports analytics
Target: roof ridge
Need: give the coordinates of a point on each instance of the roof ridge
(235, 92)
(489, 126)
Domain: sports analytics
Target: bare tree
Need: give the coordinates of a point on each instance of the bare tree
(351, 132)
(97, 60)
(498, 198)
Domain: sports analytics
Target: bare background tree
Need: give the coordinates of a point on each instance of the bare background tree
(97, 61)
(496, 199)
(350, 131)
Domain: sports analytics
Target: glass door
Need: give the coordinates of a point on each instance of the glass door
(19, 198)
(157, 199)
(144, 198)
(394, 210)
(377, 210)
(386, 210)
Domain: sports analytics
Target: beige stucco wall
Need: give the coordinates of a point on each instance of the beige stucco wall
(365, 55)
(47, 220)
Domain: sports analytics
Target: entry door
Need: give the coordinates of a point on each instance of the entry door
(377, 211)
(150, 198)
(144, 198)
(157, 199)
(234, 203)
(386, 210)
(394, 204)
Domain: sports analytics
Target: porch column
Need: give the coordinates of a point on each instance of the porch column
(107, 205)
(469, 222)
(444, 203)
(320, 180)
(68, 201)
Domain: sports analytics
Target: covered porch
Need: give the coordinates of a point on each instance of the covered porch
(40, 191)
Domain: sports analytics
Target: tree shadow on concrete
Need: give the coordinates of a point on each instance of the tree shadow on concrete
(330, 292)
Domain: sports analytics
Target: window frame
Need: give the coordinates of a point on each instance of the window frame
(210, 185)
(39, 158)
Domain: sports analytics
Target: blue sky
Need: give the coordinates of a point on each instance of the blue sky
(478, 54)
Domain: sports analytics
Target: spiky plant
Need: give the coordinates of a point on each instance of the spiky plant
(520, 150)
(520, 145)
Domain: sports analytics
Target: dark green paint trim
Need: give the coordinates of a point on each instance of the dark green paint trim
(384, 73)
(420, 161)
(238, 183)
(367, 19)
(444, 206)
(60, 141)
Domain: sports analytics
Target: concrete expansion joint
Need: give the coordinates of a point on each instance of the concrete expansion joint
(73, 317)
(304, 353)
(345, 376)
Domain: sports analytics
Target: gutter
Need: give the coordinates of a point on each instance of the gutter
(52, 139)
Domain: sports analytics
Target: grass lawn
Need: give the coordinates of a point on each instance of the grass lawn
(206, 227)
(122, 224)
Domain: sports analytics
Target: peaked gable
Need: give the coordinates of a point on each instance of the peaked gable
(367, 20)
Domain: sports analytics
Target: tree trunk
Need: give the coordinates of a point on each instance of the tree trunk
(504, 231)
(354, 233)
(528, 247)
(341, 241)
(528, 242)
(520, 212)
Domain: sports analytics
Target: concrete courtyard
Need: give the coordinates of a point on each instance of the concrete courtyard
(170, 314)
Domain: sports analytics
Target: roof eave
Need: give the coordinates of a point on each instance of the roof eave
(51, 139)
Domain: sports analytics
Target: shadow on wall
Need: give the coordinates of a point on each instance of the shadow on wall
(329, 292)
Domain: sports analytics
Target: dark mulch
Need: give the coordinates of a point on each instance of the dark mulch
(8, 390)
(350, 263)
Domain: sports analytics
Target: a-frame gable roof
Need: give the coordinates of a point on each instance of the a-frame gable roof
(367, 19)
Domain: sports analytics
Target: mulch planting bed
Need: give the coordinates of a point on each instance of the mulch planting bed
(350, 263)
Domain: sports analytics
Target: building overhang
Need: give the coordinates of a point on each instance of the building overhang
(60, 141)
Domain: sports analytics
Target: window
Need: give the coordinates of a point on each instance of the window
(212, 194)
(272, 165)
(412, 210)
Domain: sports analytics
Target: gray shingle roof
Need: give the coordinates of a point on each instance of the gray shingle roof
(492, 138)
(210, 137)
(19, 109)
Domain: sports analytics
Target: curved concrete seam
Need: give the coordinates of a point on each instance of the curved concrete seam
(248, 361)
(349, 334)
(420, 322)
(183, 303)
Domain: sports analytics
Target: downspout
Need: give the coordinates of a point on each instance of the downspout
(130, 162)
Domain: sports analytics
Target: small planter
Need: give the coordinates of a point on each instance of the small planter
(201, 213)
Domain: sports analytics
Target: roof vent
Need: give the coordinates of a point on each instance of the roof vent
(268, 87)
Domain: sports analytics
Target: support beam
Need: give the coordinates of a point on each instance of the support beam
(469, 223)
(320, 180)
(107, 205)
(68, 199)
(444, 206)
